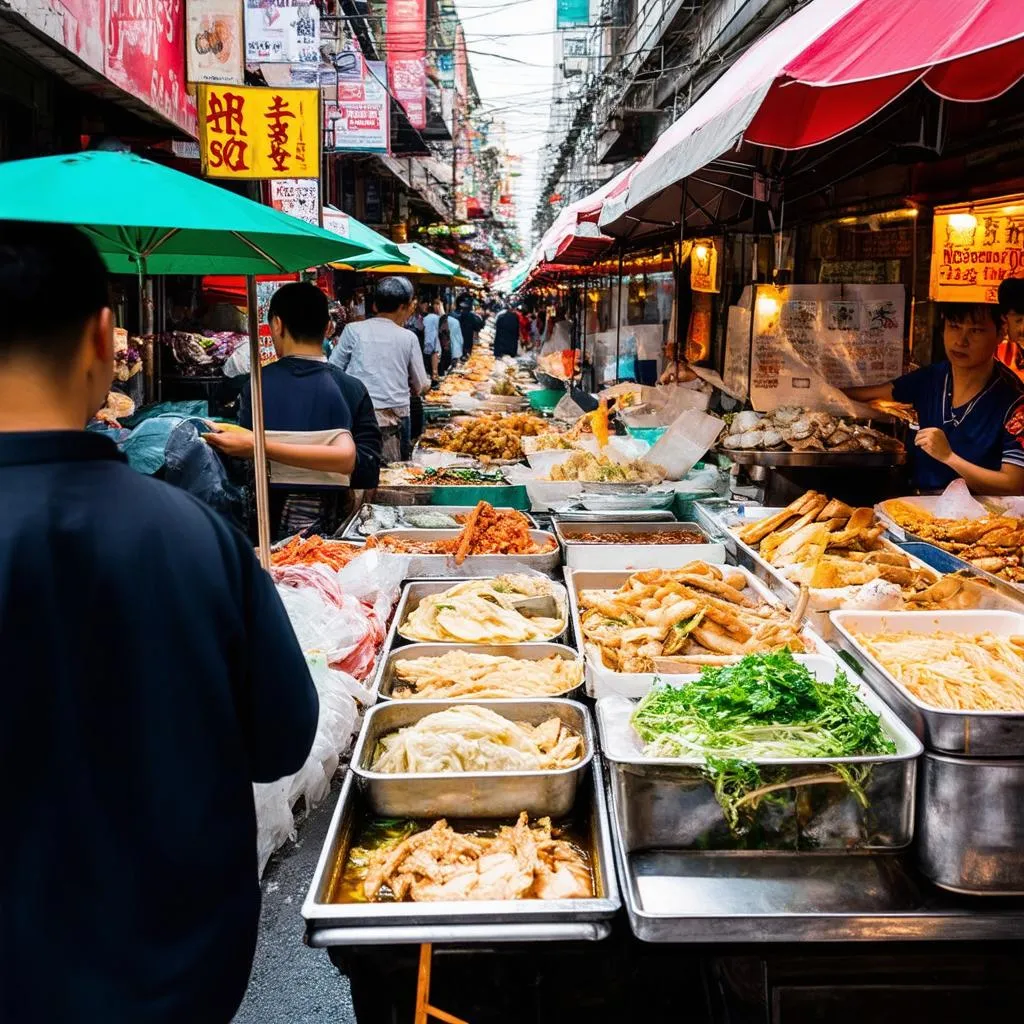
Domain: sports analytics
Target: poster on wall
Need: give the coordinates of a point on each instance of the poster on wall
(407, 57)
(298, 197)
(809, 341)
(976, 247)
(282, 32)
(215, 40)
(336, 222)
(251, 132)
(704, 266)
(362, 125)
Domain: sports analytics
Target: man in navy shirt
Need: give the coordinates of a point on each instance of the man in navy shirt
(970, 408)
(150, 676)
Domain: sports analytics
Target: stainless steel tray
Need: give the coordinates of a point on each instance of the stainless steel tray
(973, 733)
(470, 921)
(415, 590)
(970, 825)
(819, 460)
(524, 652)
(690, 897)
(350, 532)
(667, 803)
(616, 555)
(497, 794)
(474, 565)
(602, 682)
(586, 515)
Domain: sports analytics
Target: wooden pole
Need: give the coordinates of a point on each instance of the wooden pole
(259, 439)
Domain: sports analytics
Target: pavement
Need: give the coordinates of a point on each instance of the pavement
(291, 982)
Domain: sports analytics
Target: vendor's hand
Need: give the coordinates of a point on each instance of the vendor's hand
(237, 443)
(933, 441)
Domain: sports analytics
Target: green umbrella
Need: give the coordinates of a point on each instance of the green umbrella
(148, 219)
(428, 260)
(383, 252)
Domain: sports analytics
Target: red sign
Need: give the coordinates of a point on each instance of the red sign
(407, 57)
(146, 56)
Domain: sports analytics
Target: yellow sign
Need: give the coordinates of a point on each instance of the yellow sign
(247, 132)
(975, 247)
(704, 266)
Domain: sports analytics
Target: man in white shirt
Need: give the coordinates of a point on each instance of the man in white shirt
(455, 332)
(432, 340)
(386, 357)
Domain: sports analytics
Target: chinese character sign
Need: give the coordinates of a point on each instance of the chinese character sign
(358, 123)
(247, 132)
(299, 197)
(975, 248)
(407, 57)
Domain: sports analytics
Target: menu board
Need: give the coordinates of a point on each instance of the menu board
(808, 341)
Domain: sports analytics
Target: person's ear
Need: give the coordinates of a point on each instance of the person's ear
(101, 339)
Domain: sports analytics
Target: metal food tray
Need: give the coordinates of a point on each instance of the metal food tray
(350, 532)
(717, 516)
(584, 515)
(693, 897)
(602, 682)
(667, 803)
(598, 555)
(967, 733)
(523, 652)
(415, 590)
(475, 565)
(815, 460)
(480, 794)
(460, 921)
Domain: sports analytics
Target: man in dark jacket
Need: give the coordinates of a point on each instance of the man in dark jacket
(471, 324)
(506, 332)
(150, 676)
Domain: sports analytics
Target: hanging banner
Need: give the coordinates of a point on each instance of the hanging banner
(407, 57)
(282, 32)
(249, 132)
(215, 38)
(704, 266)
(360, 126)
(571, 13)
(444, 63)
(976, 247)
(298, 197)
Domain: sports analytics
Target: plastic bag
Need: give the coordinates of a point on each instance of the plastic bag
(274, 819)
(685, 442)
(195, 467)
(145, 445)
(956, 502)
(375, 578)
(199, 408)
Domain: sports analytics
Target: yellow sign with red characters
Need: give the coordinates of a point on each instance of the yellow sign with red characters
(255, 132)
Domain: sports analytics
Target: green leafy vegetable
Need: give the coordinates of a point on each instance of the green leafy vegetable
(766, 706)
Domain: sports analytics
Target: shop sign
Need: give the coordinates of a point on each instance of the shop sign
(215, 41)
(407, 57)
(571, 13)
(976, 247)
(282, 32)
(360, 125)
(336, 222)
(248, 132)
(704, 267)
(444, 63)
(298, 197)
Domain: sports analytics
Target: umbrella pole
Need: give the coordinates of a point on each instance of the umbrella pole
(259, 439)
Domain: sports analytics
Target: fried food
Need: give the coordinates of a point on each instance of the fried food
(313, 550)
(472, 674)
(589, 468)
(484, 612)
(824, 544)
(488, 531)
(471, 738)
(796, 429)
(493, 437)
(953, 671)
(520, 862)
(670, 620)
(994, 543)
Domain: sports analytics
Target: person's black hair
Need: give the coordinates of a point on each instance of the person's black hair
(958, 312)
(52, 280)
(392, 293)
(302, 308)
(1011, 295)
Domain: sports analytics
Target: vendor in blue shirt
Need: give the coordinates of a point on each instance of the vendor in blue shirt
(970, 408)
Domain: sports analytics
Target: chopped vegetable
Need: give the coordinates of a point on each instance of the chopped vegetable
(766, 706)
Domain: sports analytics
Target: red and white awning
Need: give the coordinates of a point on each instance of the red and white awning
(827, 69)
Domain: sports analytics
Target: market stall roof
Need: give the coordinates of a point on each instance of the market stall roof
(822, 72)
(382, 251)
(428, 261)
(145, 218)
